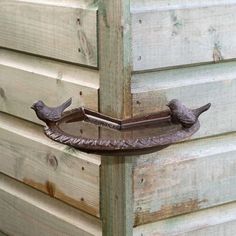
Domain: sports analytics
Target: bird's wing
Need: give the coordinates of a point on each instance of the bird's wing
(54, 115)
(51, 114)
(188, 118)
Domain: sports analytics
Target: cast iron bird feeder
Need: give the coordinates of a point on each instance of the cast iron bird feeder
(93, 132)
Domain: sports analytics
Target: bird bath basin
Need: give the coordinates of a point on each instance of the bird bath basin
(94, 132)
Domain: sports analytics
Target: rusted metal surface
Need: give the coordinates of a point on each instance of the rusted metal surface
(183, 115)
(143, 134)
(50, 114)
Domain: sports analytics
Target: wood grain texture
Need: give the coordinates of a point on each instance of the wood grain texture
(194, 86)
(67, 3)
(25, 79)
(147, 5)
(182, 33)
(217, 221)
(24, 211)
(115, 100)
(117, 196)
(65, 32)
(115, 58)
(61, 172)
(185, 178)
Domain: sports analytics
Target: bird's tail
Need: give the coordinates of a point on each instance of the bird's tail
(197, 112)
(66, 104)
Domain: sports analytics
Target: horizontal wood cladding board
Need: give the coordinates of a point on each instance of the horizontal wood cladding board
(217, 221)
(150, 5)
(25, 79)
(63, 173)
(184, 178)
(67, 3)
(175, 33)
(194, 86)
(25, 211)
(52, 29)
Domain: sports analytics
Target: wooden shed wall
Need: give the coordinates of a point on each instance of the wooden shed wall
(194, 86)
(25, 79)
(168, 49)
(185, 178)
(65, 32)
(182, 33)
(24, 211)
(217, 221)
(42, 44)
(63, 173)
(185, 50)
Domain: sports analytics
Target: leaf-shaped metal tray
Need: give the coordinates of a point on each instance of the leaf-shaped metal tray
(94, 132)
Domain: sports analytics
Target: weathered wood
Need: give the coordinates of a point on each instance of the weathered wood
(24, 211)
(62, 31)
(184, 178)
(114, 58)
(116, 195)
(182, 33)
(67, 3)
(25, 79)
(115, 100)
(217, 221)
(194, 86)
(148, 5)
(63, 173)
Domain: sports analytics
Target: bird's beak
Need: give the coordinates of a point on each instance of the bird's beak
(32, 107)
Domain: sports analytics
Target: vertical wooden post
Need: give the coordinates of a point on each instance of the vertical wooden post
(115, 57)
(115, 100)
(117, 196)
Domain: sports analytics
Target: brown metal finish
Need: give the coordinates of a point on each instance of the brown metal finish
(94, 132)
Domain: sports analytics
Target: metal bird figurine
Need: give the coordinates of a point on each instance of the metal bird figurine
(50, 114)
(183, 115)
